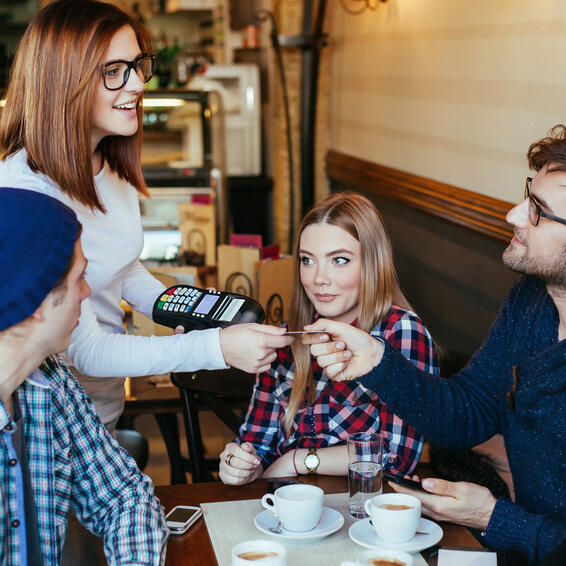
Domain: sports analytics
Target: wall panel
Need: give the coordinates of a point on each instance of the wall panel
(449, 89)
(447, 244)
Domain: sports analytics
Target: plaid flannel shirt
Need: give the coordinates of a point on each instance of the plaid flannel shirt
(340, 408)
(73, 460)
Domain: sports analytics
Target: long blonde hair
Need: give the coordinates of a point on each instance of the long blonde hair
(50, 96)
(379, 285)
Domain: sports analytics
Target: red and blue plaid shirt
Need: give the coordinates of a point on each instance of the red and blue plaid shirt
(340, 408)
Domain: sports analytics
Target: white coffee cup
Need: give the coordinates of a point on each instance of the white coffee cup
(298, 506)
(367, 558)
(259, 553)
(395, 516)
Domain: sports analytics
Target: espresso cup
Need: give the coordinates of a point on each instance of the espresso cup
(381, 557)
(395, 516)
(298, 506)
(259, 553)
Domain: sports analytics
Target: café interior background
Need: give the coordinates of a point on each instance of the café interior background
(450, 90)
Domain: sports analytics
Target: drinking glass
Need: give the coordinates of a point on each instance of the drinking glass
(365, 471)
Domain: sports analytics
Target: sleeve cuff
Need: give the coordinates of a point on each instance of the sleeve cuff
(512, 527)
(378, 373)
(208, 341)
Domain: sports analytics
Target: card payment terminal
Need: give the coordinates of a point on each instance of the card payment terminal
(196, 309)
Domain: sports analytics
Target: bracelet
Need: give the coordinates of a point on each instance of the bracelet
(294, 464)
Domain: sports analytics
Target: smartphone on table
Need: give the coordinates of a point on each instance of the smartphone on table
(181, 518)
(400, 480)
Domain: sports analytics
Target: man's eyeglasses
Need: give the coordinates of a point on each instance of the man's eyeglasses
(535, 211)
(116, 73)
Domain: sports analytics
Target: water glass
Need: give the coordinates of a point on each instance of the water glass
(365, 471)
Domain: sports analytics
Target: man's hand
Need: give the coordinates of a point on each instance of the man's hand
(251, 347)
(463, 503)
(239, 464)
(351, 352)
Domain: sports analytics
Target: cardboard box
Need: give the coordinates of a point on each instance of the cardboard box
(275, 283)
(197, 224)
(269, 282)
(180, 275)
(237, 270)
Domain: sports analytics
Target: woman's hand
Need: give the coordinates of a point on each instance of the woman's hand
(351, 352)
(251, 347)
(239, 464)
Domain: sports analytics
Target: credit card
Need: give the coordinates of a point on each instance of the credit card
(305, 332)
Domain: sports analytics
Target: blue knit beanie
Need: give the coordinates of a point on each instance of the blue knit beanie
(37, 238)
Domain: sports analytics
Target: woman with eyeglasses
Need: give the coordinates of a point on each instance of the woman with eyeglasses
(71, 128)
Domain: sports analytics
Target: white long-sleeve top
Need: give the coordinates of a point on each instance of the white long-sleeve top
(112, 243)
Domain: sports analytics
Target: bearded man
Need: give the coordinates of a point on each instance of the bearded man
(515, 384)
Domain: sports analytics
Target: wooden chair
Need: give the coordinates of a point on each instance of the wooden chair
(224, 392)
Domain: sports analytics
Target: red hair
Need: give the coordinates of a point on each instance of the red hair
(50, 97)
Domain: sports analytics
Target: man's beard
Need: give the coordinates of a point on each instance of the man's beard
(552, 270)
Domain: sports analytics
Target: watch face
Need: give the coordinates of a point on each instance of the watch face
(311, 461)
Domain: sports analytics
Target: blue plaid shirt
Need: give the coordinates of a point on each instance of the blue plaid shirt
(73, 460)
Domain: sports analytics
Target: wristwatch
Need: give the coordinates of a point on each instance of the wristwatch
(311, 461)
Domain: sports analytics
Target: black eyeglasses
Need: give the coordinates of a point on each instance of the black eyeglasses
(116, 73)
(535, 211)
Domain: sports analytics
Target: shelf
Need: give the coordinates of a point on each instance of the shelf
(173, 6)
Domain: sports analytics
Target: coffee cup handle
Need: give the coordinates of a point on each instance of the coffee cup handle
(367, 507)
(267, 502)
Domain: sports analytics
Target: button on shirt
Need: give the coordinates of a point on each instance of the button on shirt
(29, 531)
(15, 514)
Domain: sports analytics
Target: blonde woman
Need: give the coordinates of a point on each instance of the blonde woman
(344, 271)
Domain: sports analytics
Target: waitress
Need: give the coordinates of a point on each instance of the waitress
(71, 129)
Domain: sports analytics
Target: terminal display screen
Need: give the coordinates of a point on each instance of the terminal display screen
(206, 304)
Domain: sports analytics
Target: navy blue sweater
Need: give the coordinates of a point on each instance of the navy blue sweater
(472, 406)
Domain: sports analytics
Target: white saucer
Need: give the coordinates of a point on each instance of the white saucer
(362, 533)
(330, 521)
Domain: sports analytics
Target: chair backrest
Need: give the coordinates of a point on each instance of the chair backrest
(135, 444)
(233, 383)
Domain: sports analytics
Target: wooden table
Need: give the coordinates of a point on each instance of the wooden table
(195, 549)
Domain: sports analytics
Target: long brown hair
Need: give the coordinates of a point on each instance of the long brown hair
(50, 95)
(379, 285)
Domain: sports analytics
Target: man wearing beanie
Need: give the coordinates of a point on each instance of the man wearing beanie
(54, 451)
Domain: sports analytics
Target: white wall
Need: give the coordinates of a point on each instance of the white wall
(454, 90)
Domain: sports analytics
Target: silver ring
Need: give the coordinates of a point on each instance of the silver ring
(228, 459)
